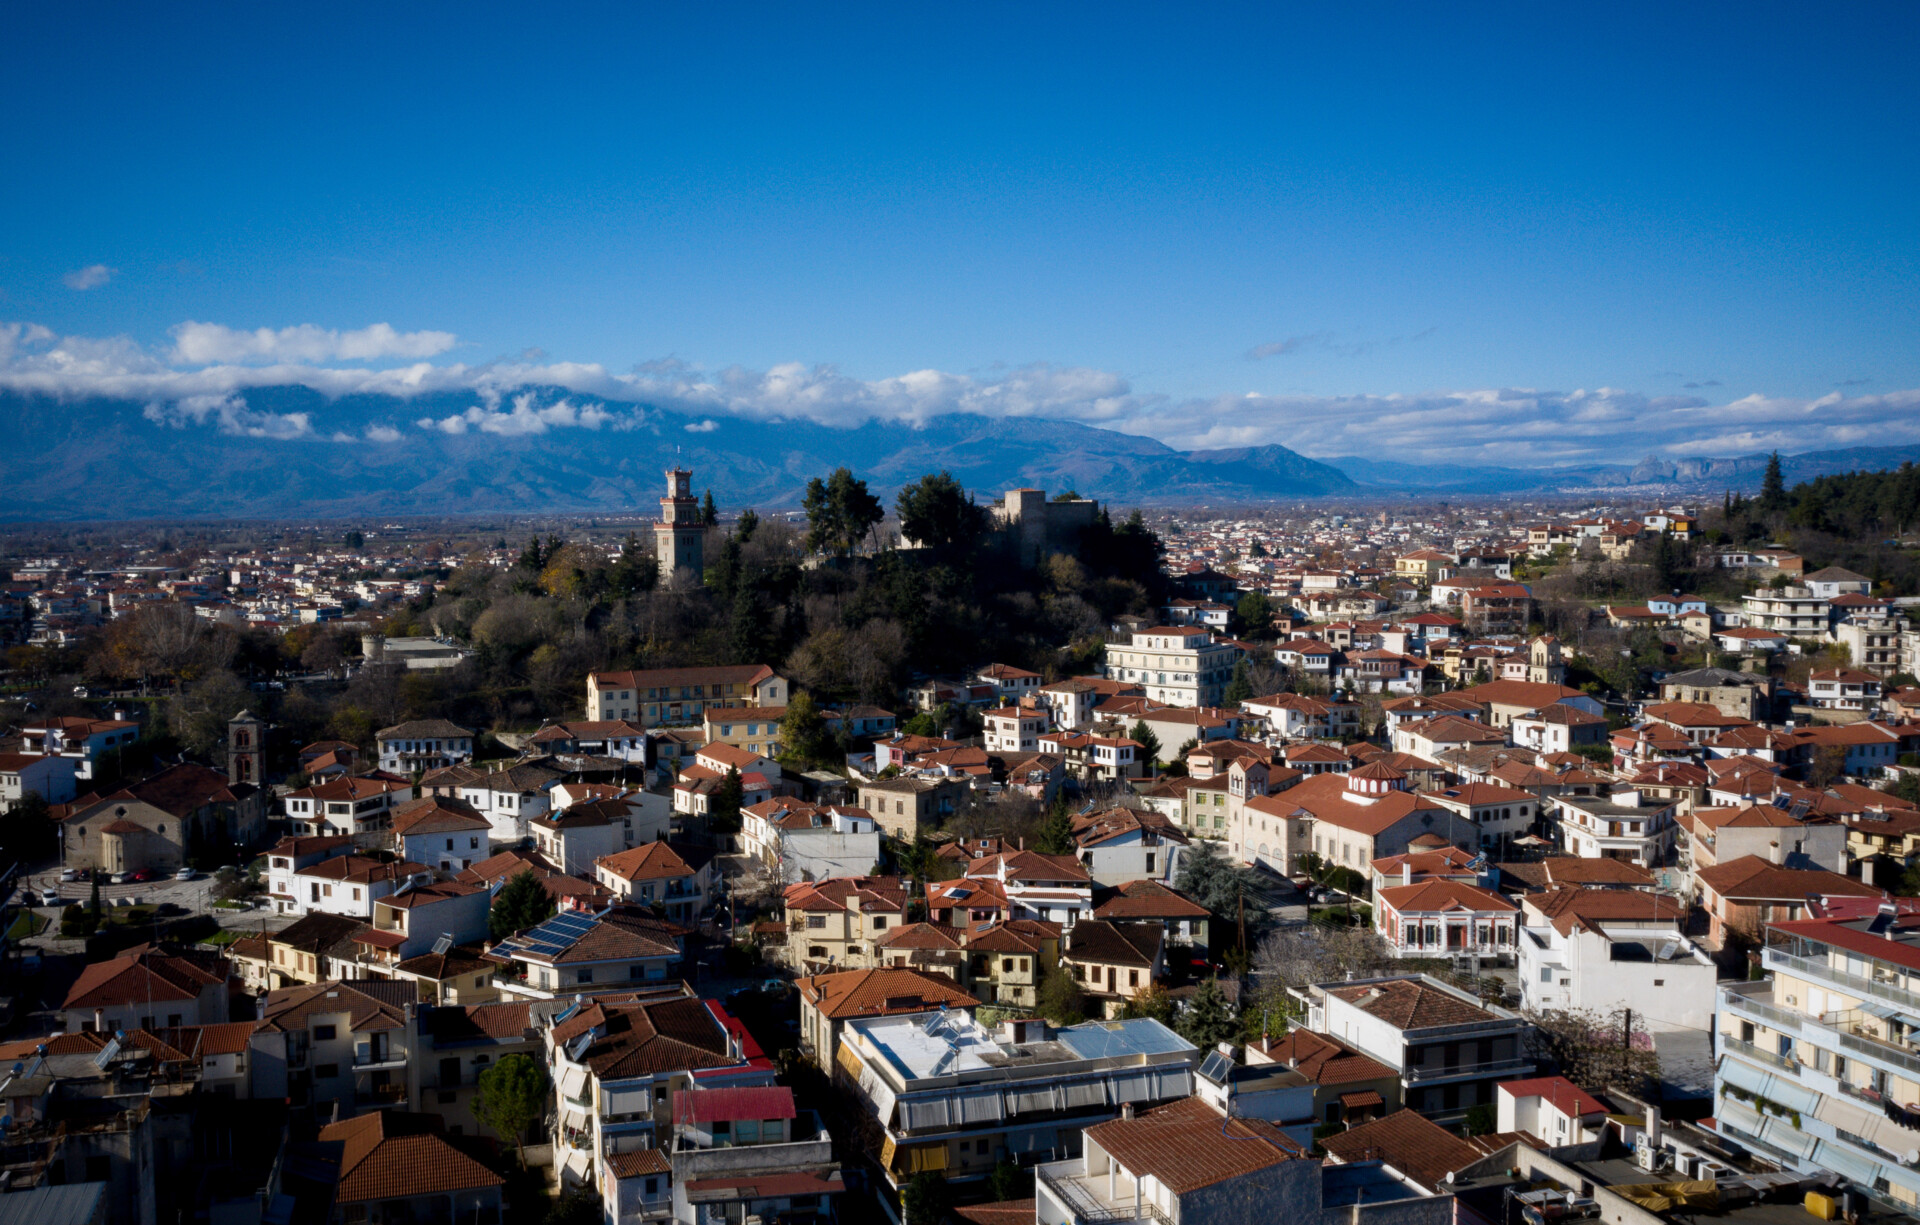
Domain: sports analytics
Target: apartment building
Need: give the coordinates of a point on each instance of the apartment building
(833, 924)
(1179, 665)
(907, 806)
(1449, 1049)
(574, 953)
(1819, 1063)
(358, 807)
(829, 1001)
(422, 745)
(953, 1097)
(670, 697)
(327, 1042)
(1187, 1161)
(1015, 729)
(1843, 689)
(1624, 824)
(742, 1153)
(619, 1066)
(1793, 611)
(1606, 949)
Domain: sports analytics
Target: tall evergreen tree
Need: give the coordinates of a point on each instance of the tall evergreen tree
(709, 513)
(1208, 1018)
(1773, 487)
(522, 902)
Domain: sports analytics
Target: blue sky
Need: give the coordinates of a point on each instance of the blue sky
(1214, 224)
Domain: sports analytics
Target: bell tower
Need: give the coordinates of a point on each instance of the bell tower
(246, 748)
(679, 538)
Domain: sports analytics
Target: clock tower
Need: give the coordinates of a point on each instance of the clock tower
(679, 538)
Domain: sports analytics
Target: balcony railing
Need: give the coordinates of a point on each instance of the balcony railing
(1079, 1198)
(1749, 1051)
(1483, 1067)
(1903, 1057)
(1821, 971)
(1772, 1016)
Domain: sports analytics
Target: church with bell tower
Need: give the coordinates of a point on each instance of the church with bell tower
(679, 537)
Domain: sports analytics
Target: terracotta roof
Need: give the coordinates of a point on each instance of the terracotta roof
(1324, 1060)
(1436, 895)
(370, 1004)
(437, 815)
(1001, 1212)
(877, 993)
(1751, 878)
(1571, 870)
(394, 1155)
(1559, 1092)
(1406, 1003)
(873, 893)
(424, 729)
(643, 1038)
(1567, 909)
(1416, 1146)
(639, 1161)
(652, 861)
(1123, 944)
(1186, 1146)
(130, 979)
(1148, 899)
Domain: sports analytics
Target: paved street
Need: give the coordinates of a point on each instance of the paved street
(192, 896)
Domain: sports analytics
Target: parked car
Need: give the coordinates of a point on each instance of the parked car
(143, 876)
(120, 878)
(50, 897)
(72, 874)
(183, 874)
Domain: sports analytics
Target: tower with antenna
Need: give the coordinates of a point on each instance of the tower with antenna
(679, 538)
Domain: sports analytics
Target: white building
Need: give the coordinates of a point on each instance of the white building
(1179, 665)
(1607, 949)
(423, 744)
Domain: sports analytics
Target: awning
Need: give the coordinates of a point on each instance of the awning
(1366, 1099)
(573, 1083)
(913, 1158)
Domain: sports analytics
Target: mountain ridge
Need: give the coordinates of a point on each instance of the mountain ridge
(439, 453)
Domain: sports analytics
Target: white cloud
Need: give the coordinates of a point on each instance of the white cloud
(516, 398)
(527, 416)
(93, 276)
(206, 344)
(231, 415)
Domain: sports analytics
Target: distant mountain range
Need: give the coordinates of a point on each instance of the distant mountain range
(105, 459)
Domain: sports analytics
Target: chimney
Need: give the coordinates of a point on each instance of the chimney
(1126, 1110)
(1773, 852)
(1406, 872)
(1866, 871)
(1653, 1126)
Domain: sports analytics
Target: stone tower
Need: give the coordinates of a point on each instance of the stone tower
(246, 748)
(679, 538)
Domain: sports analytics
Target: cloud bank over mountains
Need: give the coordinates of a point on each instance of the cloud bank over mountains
(202, 378)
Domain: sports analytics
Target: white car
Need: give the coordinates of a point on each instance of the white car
(183, 874)
(69, 874)
(49, 897)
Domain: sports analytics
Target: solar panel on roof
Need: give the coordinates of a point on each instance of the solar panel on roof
(1216, 1068)
(444, 943)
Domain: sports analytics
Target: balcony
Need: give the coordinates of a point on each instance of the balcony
(1748, 1050)
(1086, 1198)
(378, 1059)
(1820, 971)
(1488, 1067)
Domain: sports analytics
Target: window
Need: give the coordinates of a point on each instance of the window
(584, 976)
(326, 1071)
(816, 922)
(323, 1033)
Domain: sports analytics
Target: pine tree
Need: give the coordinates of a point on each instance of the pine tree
(522, 902)
(1208, 1019)
(709, 513)
(1240, 688)
(1149, 743)
(1055, 835)
(1059, 999)
(1773, 487)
